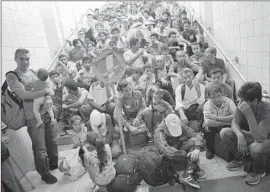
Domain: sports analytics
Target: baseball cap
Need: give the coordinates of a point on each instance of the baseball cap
(173, 123)
(96, 118)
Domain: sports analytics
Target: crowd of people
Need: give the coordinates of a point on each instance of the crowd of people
(172, 78)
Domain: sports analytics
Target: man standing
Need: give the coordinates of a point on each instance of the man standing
(45, 136)
(250, 132)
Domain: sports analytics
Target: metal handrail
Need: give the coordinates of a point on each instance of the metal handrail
(71, 35)
(217, 45)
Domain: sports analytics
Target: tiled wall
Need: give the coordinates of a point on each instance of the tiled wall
(243, 30)
(22, 27)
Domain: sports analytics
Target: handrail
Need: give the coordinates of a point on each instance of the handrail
(71, 35)
(217, 45)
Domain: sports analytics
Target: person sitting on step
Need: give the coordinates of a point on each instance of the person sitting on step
(189, 96)
(179, 143)
(249, 136)
(218, 113)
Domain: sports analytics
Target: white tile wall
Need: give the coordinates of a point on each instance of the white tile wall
(249, 22)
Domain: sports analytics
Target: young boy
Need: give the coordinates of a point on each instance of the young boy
(40, 84)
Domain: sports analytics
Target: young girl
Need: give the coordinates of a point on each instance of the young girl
(79, 131)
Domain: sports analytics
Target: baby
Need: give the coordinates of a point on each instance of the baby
(37, 85)
(79, 131)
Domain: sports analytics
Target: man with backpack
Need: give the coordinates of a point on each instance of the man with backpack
(178, 142)
(43, 137)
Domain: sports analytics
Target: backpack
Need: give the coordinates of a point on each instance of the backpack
(127, 174)
(156, 169)
(12, 111)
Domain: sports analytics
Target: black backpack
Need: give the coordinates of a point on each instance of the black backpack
(127, 174)
(156, 169)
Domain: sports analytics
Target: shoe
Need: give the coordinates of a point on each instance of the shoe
(189, 180)
(253, 178)
(53, 167)
(200, 173)
(49, 179)
(209, 154)
(234, 165)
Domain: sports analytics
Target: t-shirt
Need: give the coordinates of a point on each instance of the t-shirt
(262, 116)
(128, 55)
(131, 106)
(207, 66)
(14, 85)
(70, 98)
(191, 36)
(86, 76)
(98, 93)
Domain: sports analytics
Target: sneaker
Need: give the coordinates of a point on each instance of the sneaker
(209, 154)
(200, 174)
(234, 165)
(49, 179)
(253, 178)
(189, 180)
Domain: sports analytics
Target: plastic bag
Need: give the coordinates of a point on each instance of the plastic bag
(71, 164)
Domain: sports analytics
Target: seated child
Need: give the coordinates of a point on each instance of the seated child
(40, 84)
(78, 131)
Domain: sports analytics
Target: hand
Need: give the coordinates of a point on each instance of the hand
(141, 52)
(132, 129)
(136, 122)
(64, 106)
(244, 108)
(242, 145)
(211, 116)
(49, 91)
(194, 155)
(73, 110)
(184, 121)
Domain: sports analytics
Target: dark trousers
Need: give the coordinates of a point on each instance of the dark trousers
(44, 143)
(209, 135)
(258, 151)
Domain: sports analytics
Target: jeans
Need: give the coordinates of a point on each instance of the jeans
(44, 143)
(209, 135)
(258, 151)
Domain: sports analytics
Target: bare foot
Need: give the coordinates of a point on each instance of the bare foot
(53, 121)
(39, 123)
